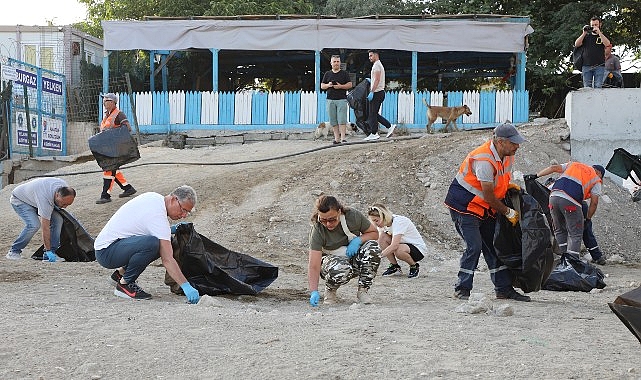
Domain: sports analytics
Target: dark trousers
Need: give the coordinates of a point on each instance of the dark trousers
(589, 240)
(373, 117)
(134, 253)
(479, 238)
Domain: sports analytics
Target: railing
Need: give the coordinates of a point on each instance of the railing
(175, 111)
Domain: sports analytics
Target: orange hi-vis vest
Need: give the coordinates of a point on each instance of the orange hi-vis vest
(577, 181)
(465, 194)
(109, 121)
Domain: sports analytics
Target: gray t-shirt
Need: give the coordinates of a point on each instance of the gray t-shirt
(38, 193)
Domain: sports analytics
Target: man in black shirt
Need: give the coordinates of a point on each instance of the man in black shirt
(594, 43)
(337, 82)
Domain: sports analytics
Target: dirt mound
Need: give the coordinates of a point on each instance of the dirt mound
(262, 208)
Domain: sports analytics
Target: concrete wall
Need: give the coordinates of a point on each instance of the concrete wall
(602, 120)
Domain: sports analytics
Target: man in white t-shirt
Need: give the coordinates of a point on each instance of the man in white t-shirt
(139, 233)
(376, 97)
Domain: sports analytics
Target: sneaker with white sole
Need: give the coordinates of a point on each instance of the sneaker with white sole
(391, 130)
(131, 291)
(392, 269)
(372, 136)
(13, 255)
(413, 271)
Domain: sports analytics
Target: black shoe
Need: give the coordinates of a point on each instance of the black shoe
(116, 276)
(600, 261)
(131, 291)
(127, 193)
(413, 271)
(462, 294)
(392, 269)
(103, 200)
(512, 295)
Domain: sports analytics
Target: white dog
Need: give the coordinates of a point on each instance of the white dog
(324, 129)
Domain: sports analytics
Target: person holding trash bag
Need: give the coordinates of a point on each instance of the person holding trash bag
(342, 245)
(36, 202)
(474, 199)
(114, 118)
(139, 233)
(578, 182)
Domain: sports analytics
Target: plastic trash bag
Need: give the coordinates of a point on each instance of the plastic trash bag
(357, 100)
(213, 269)
(525, 248)
(76, 244)
(113, 148)
(627, 307)
(570, 273)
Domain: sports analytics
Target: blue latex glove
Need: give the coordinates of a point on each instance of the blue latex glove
(49, 256)
(370, 96)
(353, 246)
(190, 292)
(368, 80)
(314, 297)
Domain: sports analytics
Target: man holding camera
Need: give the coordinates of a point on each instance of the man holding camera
(594, 43)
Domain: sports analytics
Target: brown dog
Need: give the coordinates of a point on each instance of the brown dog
(447, 113)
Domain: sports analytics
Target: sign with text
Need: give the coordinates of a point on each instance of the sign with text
(22, 132)
(51, 133)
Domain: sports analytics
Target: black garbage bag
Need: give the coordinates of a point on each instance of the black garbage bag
(570, 273)
(357, 100)
(113, 148)
(213, 269)
(622, 163)
(541, 193)
(627, 307)
(525, 248)
(76, 244)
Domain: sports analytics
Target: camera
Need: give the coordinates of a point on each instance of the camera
(588, 29)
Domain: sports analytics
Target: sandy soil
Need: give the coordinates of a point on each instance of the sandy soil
(61, 320)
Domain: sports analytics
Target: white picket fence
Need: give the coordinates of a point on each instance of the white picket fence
(249, 108)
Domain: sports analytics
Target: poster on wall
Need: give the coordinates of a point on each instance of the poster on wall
(51, 133)
(22, 131)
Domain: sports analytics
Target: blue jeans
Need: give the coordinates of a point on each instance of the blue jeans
(593, 73)
(29, 216)
(133, 253)
(479, 237)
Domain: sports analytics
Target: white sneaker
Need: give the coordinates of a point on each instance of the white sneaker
(13, 256)
(372, 136)
(391, 130)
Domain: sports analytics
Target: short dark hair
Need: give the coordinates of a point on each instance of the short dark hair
(595, 18)
(375, 51)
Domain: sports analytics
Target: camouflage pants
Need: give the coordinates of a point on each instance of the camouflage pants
(338, 270)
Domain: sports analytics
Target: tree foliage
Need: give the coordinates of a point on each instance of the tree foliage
(556, 23)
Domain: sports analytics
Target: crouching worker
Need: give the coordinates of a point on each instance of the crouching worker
(139, 233)
(399, 239)
(578, 182)
(36, 202)
(342, 245)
